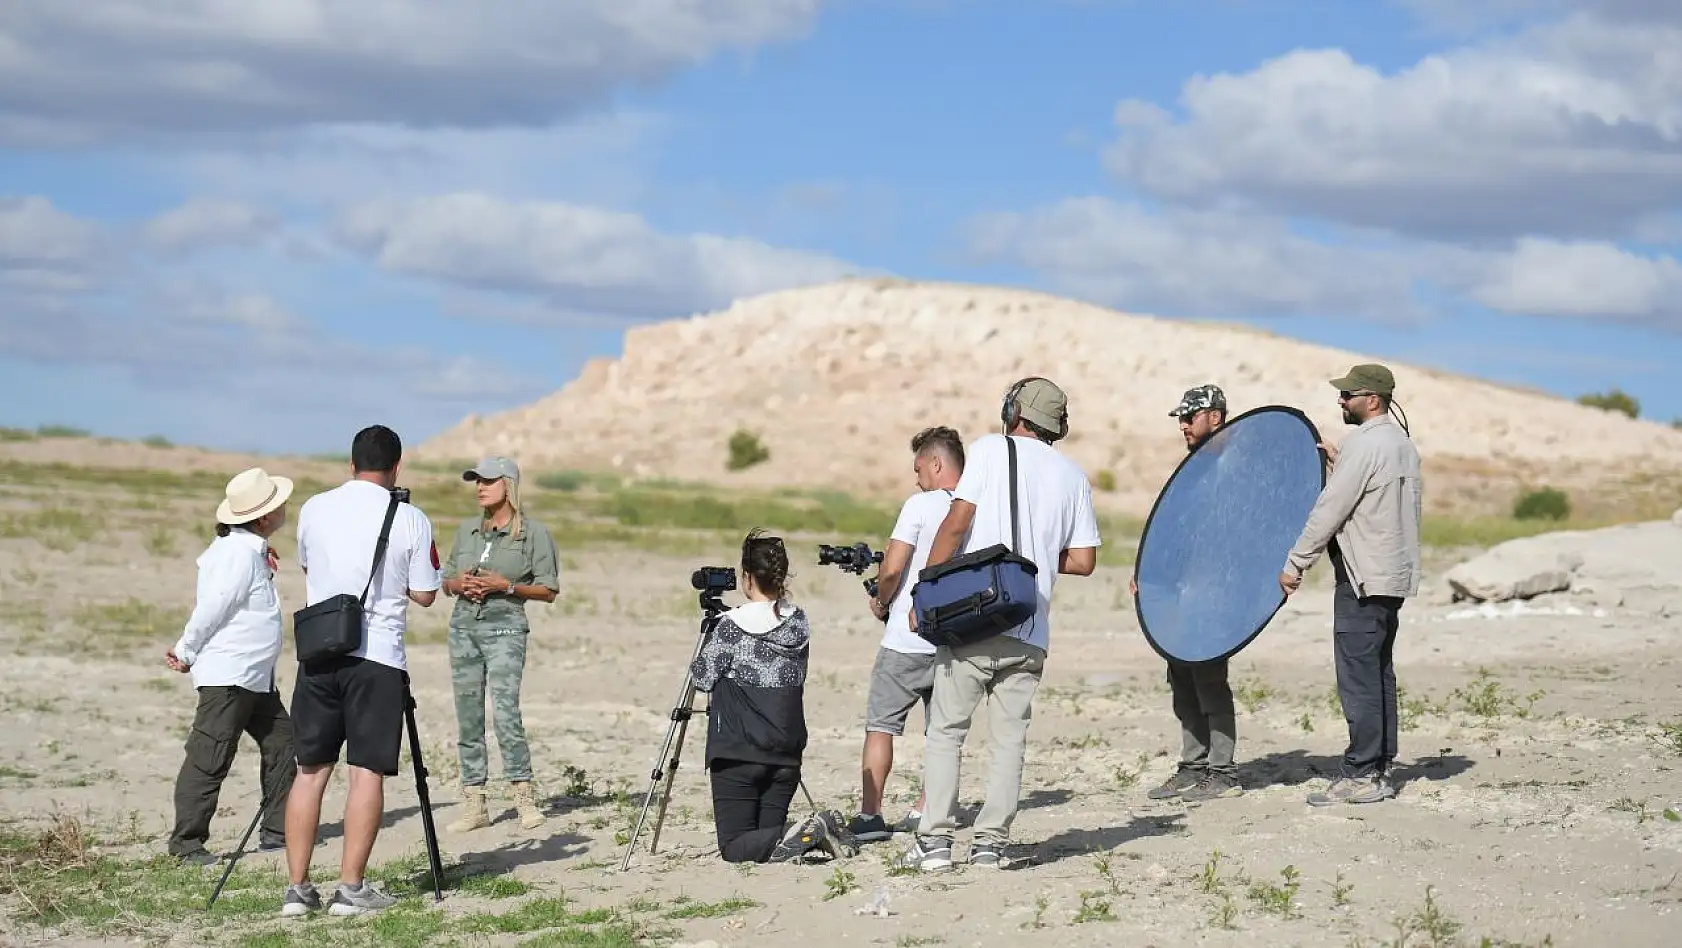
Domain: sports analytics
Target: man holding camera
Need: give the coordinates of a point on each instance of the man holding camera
(1369, 515)
(1059, 533)
(355, 702)
(1202, 696)
(904, 670)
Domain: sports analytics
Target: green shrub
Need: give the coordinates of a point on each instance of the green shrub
(61, 431)
(1544, 504)
(746, 451)
(156, 441)
(1105, 480)
(564, 481)
(1615, 400)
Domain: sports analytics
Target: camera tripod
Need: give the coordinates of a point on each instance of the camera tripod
(660, 780)
(435, 861)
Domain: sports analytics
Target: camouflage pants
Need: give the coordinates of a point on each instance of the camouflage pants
(495, 658)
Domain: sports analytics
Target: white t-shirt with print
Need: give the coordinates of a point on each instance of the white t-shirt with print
(337, 532)
(919, 519)
(1054, 510)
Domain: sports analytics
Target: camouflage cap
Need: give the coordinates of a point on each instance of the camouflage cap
(1369, 377)
(1199, 398)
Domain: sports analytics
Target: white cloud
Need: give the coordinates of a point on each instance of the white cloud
(1571, 129)
(35, 234)
(1549, 278)
(164, 67)
(584, 258)
(1196, 263)
(207, 222)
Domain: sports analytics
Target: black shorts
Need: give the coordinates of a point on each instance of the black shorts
(351, 703)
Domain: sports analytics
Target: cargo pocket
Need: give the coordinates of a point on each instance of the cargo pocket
(210, 755)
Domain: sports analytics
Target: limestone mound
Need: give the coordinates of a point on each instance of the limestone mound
(834, 379)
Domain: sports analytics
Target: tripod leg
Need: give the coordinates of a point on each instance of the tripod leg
(666, 789)
(433, 858)
(269, 799)
(661, 780)
(809, 801)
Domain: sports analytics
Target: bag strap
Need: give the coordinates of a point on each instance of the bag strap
(379, 547)
(1015, 530)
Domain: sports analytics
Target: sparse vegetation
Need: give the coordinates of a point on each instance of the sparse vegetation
(1615, 400)
(1546, 503)
(1105, 481)
(746, 450)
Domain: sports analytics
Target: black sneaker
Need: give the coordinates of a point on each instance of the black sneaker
(870, 829)
(1182, 780)
(274, 843)
(806, 836)
(839, 843)
(1213, 786)
(199, 857)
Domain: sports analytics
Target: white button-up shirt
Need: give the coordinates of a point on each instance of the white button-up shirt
(233, 636)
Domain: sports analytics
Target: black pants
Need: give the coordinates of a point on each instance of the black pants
(224, 713)
(1208, 721)
(1364, 641)
(750, 807)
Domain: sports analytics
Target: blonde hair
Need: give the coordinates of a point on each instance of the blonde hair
(516, 522)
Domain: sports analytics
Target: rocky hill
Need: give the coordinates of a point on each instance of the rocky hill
(834, 379)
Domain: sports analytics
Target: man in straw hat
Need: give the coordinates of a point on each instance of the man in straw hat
(1368, 514)
(230, 645)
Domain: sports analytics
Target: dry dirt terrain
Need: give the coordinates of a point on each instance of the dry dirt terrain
(1541, 751)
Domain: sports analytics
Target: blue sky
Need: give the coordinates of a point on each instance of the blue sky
(263, 225)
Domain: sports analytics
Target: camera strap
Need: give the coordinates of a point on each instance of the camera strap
(379, 547)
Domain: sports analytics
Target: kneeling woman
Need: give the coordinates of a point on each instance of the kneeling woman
(754, 667)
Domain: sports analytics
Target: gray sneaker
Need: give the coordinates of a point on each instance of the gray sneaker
(359, 901)
(1179, 782)
(300, 900)
(1368, 789)
(988, 856)
(928, 854)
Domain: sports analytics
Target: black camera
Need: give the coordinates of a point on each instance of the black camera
(713, 579)
(401, 493)
(854, 559)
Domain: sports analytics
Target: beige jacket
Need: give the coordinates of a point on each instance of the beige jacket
(1372, 505)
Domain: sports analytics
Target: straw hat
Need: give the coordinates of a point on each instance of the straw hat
(251, 494)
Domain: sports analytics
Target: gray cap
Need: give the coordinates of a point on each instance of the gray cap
(492, 468)
(1199, 398)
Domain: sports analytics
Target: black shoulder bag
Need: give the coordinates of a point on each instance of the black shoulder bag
(333, 626)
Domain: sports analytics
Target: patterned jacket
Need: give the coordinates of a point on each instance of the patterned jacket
(753, 665)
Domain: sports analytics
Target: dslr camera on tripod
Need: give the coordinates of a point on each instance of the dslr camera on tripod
(853, 559)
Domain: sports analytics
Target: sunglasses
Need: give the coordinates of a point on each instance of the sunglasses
(1346, 396)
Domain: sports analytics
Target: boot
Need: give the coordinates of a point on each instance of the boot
(473, 814)
(526, 802)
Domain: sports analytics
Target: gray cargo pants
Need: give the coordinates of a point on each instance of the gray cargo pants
(1208, 720)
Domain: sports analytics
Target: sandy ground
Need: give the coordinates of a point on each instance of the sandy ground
(1534, 804)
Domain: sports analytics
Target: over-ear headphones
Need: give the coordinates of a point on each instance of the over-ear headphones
(1010, 412)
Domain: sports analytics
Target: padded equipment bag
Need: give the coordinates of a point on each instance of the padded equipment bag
(333, 627)
(978, 595)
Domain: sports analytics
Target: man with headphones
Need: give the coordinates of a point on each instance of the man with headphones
(1059, 533)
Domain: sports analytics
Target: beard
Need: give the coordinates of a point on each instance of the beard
(1349, 418)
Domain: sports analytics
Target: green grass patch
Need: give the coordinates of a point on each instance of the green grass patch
(62, 431)
(130, 622)
(16, 434)
(57, 528)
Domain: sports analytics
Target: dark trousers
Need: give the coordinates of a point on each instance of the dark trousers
(224, 713)
(750, 807)
(1208, 720)
(1364, 640)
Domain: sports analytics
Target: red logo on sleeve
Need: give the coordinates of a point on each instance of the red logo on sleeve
(435, 563)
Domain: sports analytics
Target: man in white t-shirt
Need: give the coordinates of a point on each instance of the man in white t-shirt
(355, 702)
(904, 670)
(1059, 532)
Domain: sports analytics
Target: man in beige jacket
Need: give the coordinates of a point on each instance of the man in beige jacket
(1368, 515)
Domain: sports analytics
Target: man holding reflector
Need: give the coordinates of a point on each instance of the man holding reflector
(1202, 696)
(1369, 515)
